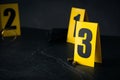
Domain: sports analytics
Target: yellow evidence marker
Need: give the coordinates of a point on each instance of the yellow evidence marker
(9, 20)
(87, 44)
(77, 15)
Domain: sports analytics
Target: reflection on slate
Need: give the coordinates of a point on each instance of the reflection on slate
(32, 57)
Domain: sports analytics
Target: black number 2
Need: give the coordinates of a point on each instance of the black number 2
(86, 42)
(8, 25)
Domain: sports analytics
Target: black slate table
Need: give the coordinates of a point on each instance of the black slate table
(34, 56)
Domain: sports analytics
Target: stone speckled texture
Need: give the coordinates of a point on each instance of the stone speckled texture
(33, 57)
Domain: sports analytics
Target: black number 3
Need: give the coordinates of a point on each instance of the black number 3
(11, 18)
(86, 42)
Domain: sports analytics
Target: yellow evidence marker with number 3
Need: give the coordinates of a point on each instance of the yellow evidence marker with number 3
(9, 19)
(87, 44)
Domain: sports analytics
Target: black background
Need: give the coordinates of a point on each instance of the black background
(47, 14)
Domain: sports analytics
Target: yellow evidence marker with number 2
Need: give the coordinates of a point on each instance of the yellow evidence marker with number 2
(77, 15)
(9, 20)
(87, 44)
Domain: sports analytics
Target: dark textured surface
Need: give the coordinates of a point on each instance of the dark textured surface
(33, 57)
